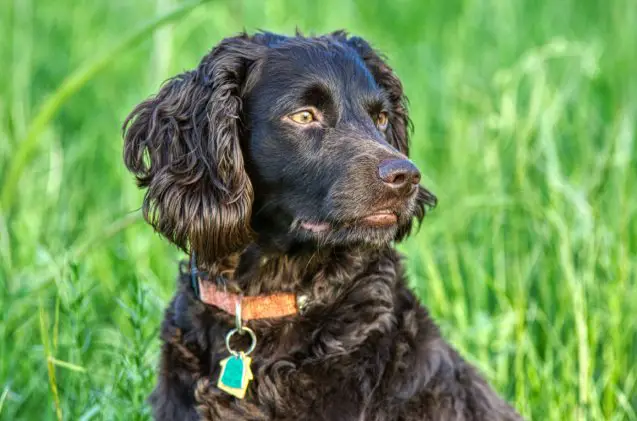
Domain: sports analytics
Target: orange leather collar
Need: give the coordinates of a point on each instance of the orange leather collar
(252, 307)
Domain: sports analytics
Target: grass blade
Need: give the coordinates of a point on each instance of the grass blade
(69, 86)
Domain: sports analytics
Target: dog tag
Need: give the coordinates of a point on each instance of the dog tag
(235, 375)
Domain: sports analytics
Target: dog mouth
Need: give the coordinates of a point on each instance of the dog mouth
(384, 218)
(315, 226)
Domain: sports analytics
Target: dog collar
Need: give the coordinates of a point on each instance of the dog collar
(252, 307)
(249, 307)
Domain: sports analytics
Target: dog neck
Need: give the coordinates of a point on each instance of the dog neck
(286, 282)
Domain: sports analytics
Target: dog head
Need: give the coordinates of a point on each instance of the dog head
(278, 140)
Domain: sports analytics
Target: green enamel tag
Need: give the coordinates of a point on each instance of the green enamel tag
(232, 375)
(235, 375)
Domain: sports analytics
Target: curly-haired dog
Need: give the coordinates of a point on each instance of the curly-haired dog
(280, 164)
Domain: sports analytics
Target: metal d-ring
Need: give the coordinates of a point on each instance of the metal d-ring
(253, 340)
(241, 330)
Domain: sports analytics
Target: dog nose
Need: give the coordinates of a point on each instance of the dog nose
(398, 173)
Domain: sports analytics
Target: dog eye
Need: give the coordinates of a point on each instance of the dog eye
(303, 117)
(382, 121)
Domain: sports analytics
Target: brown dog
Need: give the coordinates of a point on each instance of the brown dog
(281, 165)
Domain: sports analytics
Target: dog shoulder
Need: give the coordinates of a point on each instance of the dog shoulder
(430, 377)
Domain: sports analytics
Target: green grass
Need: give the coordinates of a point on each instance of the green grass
(525, 115)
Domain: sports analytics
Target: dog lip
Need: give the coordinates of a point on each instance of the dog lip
(315, 226)
(381, 218)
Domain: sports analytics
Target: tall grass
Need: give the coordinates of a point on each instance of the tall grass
(525, 114)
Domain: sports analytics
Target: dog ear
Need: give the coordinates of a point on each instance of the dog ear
(183, 145)
(399, 123)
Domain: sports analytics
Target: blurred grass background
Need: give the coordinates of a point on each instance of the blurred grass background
(524, 112)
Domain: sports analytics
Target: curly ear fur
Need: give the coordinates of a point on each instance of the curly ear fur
(183, 145)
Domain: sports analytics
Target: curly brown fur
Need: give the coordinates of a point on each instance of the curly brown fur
(269, 205)
(172, 142)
